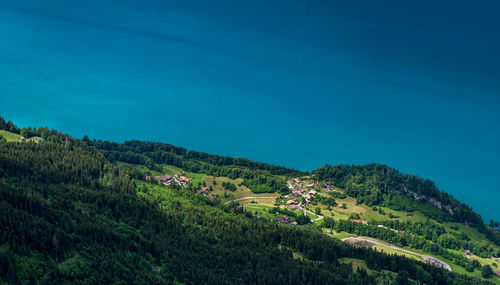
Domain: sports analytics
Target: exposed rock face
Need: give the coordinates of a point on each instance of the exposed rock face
(414, 195)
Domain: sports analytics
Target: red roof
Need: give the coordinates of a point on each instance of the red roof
(355, 220)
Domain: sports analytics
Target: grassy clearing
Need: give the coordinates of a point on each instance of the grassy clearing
(241, 190)
(10, 137)
(395, 251)
(260, 210)
(356, 264)
(170, 169)
(340, 235)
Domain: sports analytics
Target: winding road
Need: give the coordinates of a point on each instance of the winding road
(429, 259)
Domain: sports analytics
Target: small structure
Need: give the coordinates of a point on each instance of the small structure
(466, 224)
(155, 268)
(382, 226)
(212, 198)
(185, 179)
(329, 183)
(284, 220)
(21, 139)
(294, 223)
(165, 179)
(467, 253)
(356, 221)
(203, 191)
(296, 180)
(409, 215)
(312, 192)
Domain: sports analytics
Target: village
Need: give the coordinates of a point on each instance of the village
(303, 193)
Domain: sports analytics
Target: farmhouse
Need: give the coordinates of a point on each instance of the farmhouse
(467, 253)
(284, 220)
(203, 191)
(165, 179)
(185, 179)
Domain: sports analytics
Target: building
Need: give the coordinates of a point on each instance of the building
(294, 223)
(284, 220)
(203, 191)
(295, 207)
(21, 139)
(212, 198)
(295, 194)
(312, 192)
(165, 179)
(409, 215)
(296, 180)
(328, 183)
(307, 197)
(467, 253)
(291, 202)
(185, 179)
(356, 221)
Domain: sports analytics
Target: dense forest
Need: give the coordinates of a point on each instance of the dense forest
(70, 215)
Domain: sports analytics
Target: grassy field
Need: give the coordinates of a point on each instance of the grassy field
(260, 210)
(241, 190)
(170, 169)
(356, 264)
(12, 137)
(395, 251)
(9, 136)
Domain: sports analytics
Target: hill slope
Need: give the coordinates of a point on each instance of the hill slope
(70, 214)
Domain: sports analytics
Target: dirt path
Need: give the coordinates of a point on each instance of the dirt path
(429, 259)
(245, 198)
(319, 217)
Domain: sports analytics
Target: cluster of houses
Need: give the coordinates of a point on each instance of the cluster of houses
(168, 179)
(298, 191)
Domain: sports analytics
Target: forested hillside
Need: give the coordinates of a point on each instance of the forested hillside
(69, 214)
